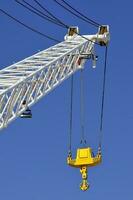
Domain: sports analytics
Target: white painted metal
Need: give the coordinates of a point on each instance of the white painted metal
(34, 77)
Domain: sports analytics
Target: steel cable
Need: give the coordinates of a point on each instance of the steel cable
(28, 27)
(103, 98)
(70, 11)
(71, 115)
(46, 10)
(82, 110)
(38, 12)
(84, 16)
(62, 24)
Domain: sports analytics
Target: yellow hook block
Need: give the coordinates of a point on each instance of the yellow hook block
(83, 160)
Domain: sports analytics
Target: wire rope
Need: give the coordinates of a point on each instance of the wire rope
(61, 23)
(71, 115)
(80, 13)
(70, 11)
(54, 17)
(38, 12)
(103, 98)
(82, 110)
(28, 27)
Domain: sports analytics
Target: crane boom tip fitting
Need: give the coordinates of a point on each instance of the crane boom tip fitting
(103, 35)
(72, 31)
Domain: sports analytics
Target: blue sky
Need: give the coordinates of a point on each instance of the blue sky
(33, 152)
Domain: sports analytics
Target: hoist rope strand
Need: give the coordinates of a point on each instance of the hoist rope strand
(71, 114)
(103, 98)
(82, 110)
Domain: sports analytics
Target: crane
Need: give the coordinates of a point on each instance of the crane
(24, 83)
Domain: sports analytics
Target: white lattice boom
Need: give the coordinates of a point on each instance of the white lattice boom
(34, 77)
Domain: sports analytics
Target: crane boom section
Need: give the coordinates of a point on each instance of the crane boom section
(34, 77)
